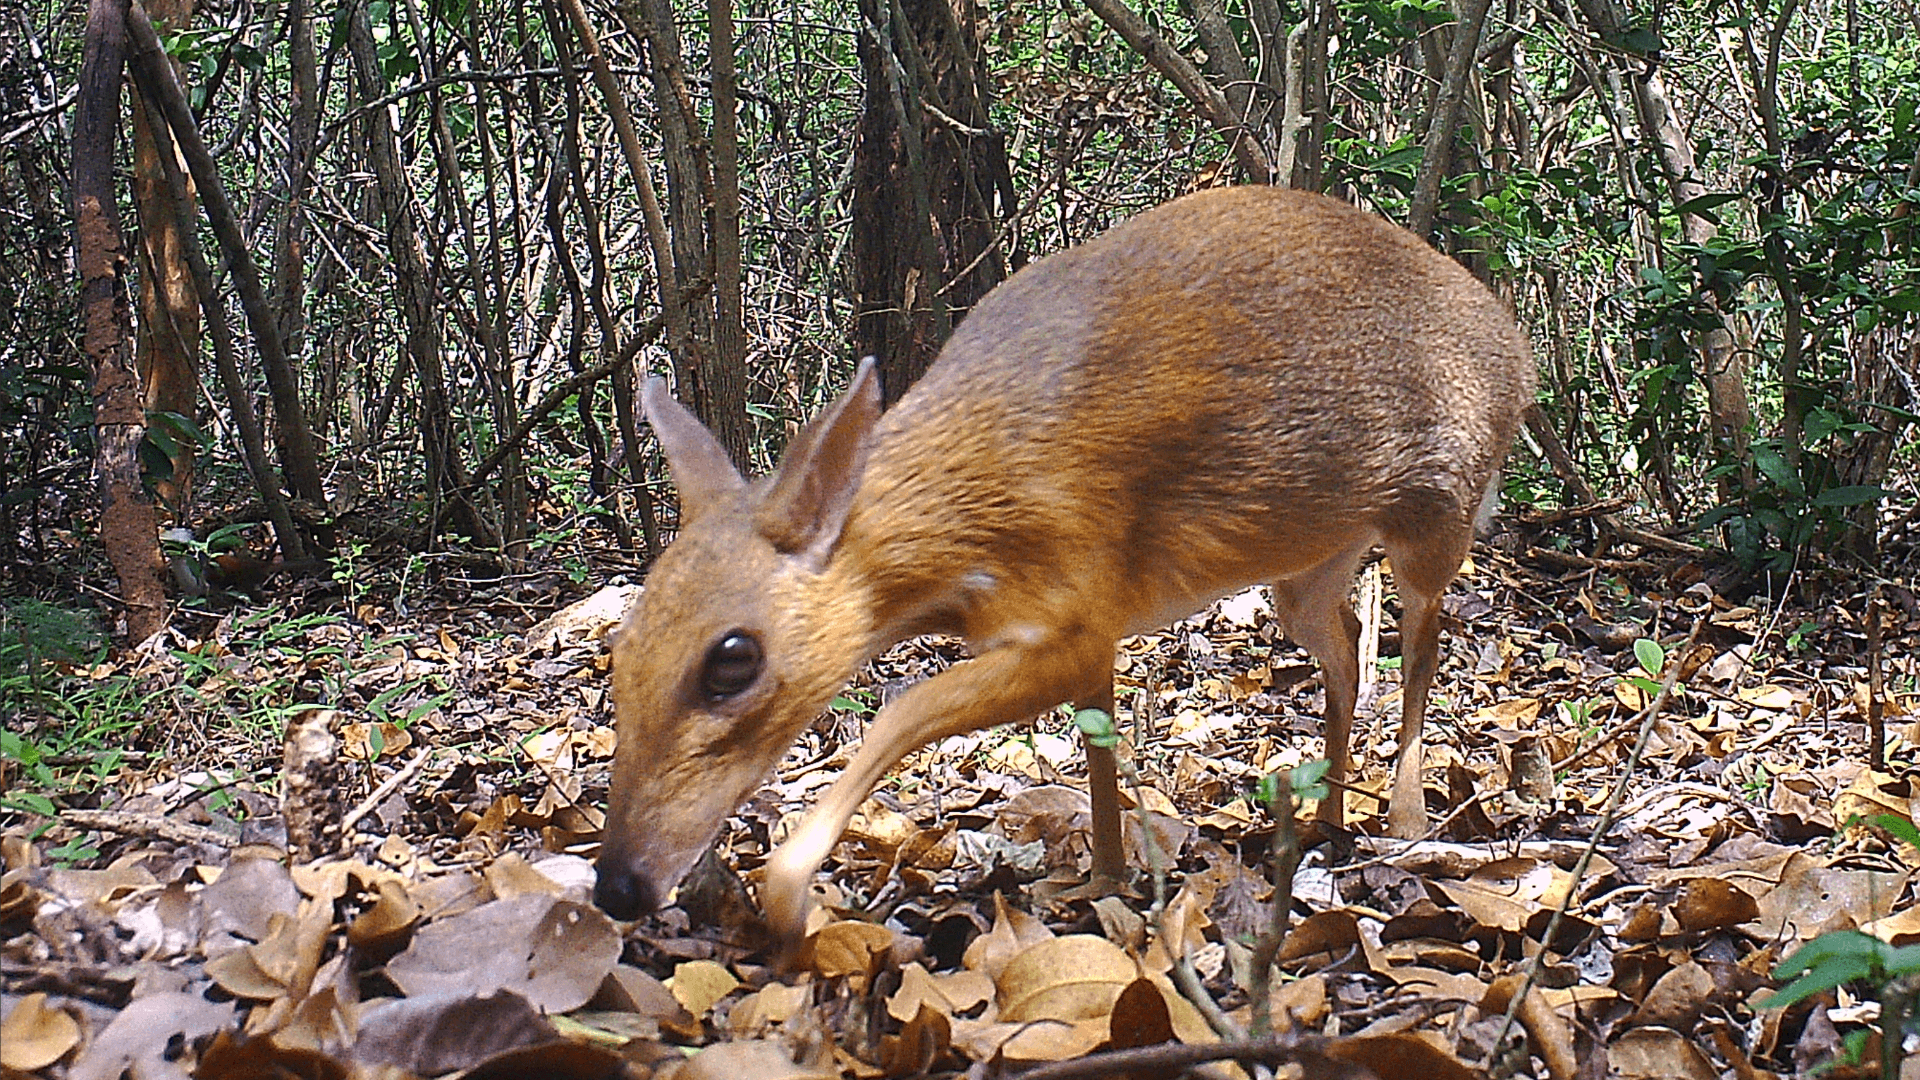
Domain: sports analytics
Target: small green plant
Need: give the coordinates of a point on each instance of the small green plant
(78, 850)
(1886, 973)
(1098, 728)
(1801, 639)
(857, 702)
(1307, 780)
(1652, 659)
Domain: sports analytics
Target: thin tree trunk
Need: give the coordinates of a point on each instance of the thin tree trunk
(167, 345)
(715, 390)
(253, 442)
(446, 476)
(1723, 368)
(928, 168)
(1207, 98)
(1437, 160)
(128, 530)
(729, 308)
(303, 134)
(300, 460)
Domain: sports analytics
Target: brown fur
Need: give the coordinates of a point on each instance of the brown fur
(1245, 385)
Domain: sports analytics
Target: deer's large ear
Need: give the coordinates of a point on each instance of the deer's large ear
(814, 487)
(701, 469)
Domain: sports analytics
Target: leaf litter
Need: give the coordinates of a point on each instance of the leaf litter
(954, 932)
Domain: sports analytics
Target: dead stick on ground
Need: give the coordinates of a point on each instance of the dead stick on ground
(392, 784)
(1271, 1050)
(1676, 660)
(147, 825)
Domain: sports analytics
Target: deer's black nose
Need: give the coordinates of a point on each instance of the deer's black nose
(622, 893)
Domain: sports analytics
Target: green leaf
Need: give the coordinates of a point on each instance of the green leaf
(1309, 780)
(1835, 972)
(1902, 829)
(1652, 658)
(33, 802)
(1096, 725)
(1852, 495)
(1700, 204)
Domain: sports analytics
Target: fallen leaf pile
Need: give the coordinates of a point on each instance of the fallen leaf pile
(954, 929)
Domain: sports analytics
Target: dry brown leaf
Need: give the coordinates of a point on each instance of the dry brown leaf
(1711, 904)
(231, 1058)
(1041, 1040)
(142, 1036)
(384, 927)
(1872, 794)
(1437, 985)
(1812, 899)
(442, 1033)
(923, 1042)
(1071, 978)
(1401, 1054)
(1013, 930)
(242, 901)
(1139, 1017)
(1549, 1035)
(1517, 714)
(1677, 999)
(952, 993)
(364, 742)
(1525, 880)
(756, 1014)
(1487, 906)
(1657, 1053)
(848, 947)
(880, 830)
(1300, 1004)
(754, 1060)
(698, 984)
(629, 989)
(1331, 932)
(554, 953)
(551, 1061)
(510, 876)
(1121, 924)
(1900, 928)
(34, 1035)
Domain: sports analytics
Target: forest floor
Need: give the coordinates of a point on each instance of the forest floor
(150, 919)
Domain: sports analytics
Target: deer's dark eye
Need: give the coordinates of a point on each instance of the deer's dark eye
(731, 666)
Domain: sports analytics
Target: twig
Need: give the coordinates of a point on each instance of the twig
(1600, 830)
(148, 826)
(1571, 561)
(1876, 718)
(1270, 1050)
(1286, 860)
(1185, 978)
(391, 785)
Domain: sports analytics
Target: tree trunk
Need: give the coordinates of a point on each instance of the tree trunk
(1722, 367)
(932, 185)
(1206, 97)
(716, 390)
(167, 347)
(128, 529)
(446, 474)
(300, 461)
(1437, 160)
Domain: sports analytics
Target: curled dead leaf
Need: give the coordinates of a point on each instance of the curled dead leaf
(35, 1035)
(848, 947)
(1071, 978)
(698, 984)
(1711, 904)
